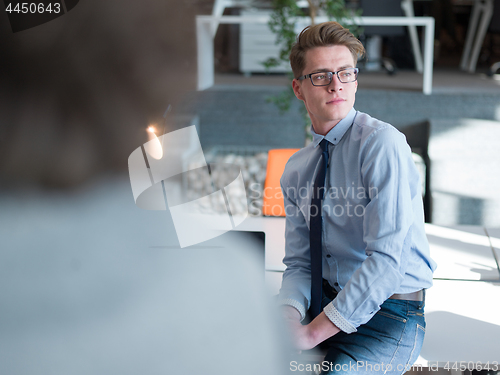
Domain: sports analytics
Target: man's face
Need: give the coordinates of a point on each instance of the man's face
(326, 105)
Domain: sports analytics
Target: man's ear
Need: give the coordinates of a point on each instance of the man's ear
(297, 89)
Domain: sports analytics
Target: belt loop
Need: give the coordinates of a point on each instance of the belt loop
(422, 304)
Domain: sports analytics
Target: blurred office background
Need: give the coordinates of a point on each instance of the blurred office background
(81, 264)
(78, 93)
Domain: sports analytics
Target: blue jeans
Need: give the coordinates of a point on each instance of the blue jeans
(387, 344)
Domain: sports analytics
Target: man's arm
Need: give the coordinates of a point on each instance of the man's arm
(308, 336)
(296, 285)
(387, 169)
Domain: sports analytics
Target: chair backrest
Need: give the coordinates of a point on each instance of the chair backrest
(382, 8)
(495, 18)
(418, 135)
(273, 197)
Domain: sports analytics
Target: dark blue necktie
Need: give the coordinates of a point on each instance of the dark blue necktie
(316, 224)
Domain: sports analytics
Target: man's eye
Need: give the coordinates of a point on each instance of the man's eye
(346, 74)
(321, 77)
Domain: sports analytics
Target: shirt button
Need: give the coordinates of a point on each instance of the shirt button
(336, 284)
(328, 256)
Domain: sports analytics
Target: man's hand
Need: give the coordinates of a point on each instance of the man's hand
(306, 337)
(299, 332)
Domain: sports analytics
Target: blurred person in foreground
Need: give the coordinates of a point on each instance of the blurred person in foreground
(374, 254)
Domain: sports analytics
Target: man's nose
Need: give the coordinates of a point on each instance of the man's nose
(335, 85)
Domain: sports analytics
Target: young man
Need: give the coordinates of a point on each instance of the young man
(374, 262)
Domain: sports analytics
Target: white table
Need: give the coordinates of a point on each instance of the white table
(463, 324)
(494, 236)
(462, 253)
(274, 228)
(406, 6)
(205, 26)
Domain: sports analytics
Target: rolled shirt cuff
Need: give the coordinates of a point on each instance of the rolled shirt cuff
(332, 313)
(291, 302)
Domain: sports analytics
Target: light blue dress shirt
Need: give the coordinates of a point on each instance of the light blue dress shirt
(374, 242)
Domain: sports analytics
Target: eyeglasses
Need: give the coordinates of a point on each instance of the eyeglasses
(325, 78)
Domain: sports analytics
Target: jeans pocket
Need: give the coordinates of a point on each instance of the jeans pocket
(417, 344)
(388, 315)
(394, 309)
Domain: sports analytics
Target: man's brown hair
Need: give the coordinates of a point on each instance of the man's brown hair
(322, 35)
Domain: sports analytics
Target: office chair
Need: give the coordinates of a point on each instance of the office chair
(417, 136)
(374, 34)
(273, 199)
(495, 29)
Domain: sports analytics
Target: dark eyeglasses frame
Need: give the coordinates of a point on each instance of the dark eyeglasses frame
(330, 74)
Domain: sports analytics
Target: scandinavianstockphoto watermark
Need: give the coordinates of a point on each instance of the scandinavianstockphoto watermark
(346, 201)
(158, 177)
(382, 367)
(359, 366)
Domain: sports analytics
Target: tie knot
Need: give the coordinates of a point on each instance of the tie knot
(324, 145)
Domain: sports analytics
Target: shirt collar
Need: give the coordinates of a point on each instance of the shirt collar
(335, 135)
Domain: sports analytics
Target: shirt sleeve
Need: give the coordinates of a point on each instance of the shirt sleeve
(388, 171)
(296, 285)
